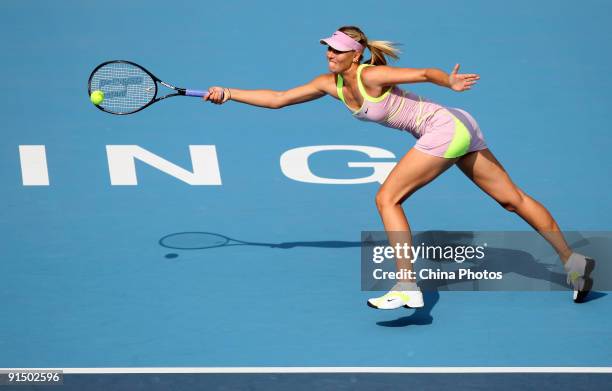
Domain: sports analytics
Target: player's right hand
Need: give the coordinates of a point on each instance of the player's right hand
(217, 95)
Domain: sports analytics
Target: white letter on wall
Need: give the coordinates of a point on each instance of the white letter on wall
(122, 167)
(34, 171)
(294, 164)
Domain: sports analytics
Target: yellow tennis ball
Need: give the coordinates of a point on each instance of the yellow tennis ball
(97, 97)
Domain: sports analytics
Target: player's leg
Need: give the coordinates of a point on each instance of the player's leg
(487, 173)
(412, 172)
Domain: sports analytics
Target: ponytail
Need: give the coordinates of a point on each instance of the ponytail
(378, 49)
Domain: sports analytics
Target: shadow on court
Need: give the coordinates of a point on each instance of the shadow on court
(420, 316)
(521, 270)
(208, 240)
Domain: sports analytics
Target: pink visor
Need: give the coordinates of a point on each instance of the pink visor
(342, 42)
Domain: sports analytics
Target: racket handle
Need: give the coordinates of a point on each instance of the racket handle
(197, 93)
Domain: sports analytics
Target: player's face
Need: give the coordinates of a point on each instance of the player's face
(338, 61)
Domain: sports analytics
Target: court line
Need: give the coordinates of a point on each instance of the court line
(211, 370)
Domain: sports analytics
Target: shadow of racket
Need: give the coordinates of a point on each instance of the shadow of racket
(208, 240)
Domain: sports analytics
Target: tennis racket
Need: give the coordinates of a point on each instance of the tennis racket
(129, 88)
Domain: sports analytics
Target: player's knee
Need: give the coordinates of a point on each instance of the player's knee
(514, 201)
(385, 199)
(380, 200)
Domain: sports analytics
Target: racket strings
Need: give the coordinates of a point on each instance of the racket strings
(126, 87)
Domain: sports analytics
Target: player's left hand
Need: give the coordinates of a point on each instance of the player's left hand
(461, 82)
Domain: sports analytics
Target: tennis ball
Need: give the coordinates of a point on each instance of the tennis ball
(97, 97)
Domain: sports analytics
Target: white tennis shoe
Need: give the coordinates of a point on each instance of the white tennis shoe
(396, 299)
(579, 269)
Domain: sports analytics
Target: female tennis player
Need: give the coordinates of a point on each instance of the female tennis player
(445, 136)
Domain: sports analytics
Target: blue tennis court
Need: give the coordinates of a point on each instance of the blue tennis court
(87, 282)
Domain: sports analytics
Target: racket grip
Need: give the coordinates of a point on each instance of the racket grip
(197, 93)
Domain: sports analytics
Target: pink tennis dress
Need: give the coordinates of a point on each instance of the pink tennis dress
(441, 131)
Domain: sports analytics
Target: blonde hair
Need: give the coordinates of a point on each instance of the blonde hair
(379, 49)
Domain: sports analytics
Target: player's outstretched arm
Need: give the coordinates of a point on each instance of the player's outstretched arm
(386, 76)
(314, 89)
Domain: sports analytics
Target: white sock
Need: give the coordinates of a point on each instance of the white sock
(405, 286)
